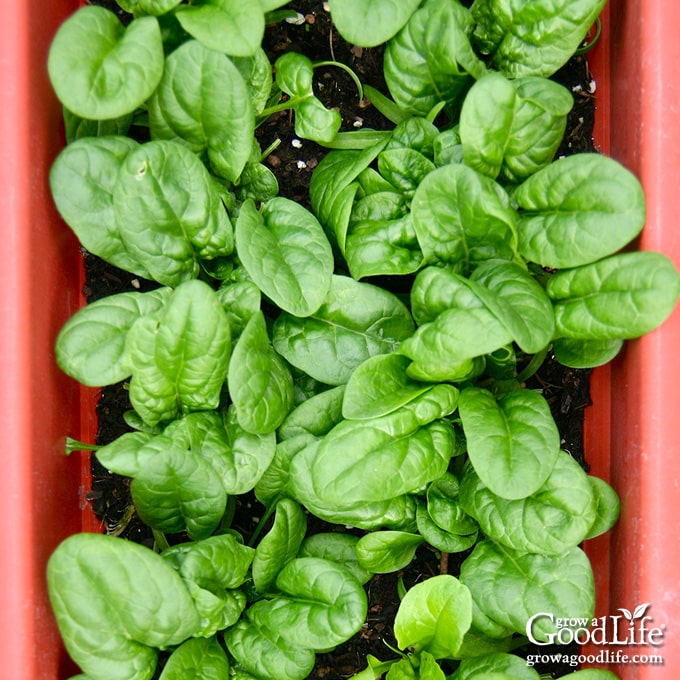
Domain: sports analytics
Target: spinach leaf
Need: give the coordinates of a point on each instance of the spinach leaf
(177, 489)
(385, 457)
(508, 588)
(240, 458)
(513, 442)
(369, 25)
(622, 296)
(280, 545)
(294, 75)
(383, 552)
(82, 181)
(227, 26)
(552, 520)
(517, 300)
(339, 548)
(577, 210)
(179, 359)
(316, 415)
(462, 218)
(513, 126)
(430, 59)
(608, 506)
(534, 38)
(169, 212)
(264, 653)
(92, 580)
(101, 69)
(187, 108)
(260, 383)
(286, 253)
(153, 7)
(488, 665)
(357, 321)
(212, 570)
(379, 386)
(202, 659)
(321, 603)
(579, 353)
(91, 346)
(433, 616)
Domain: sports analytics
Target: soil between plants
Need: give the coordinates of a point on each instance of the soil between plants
(566, 390)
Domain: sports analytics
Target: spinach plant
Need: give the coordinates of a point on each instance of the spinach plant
(364, 362)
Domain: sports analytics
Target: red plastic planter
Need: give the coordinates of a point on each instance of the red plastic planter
(633, 428)
(41, 492)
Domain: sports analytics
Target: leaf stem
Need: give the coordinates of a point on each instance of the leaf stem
(76, 445)
(535, 363)
(263, 522)
(160, 541)
(347, 69)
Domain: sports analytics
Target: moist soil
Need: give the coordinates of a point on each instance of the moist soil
(293, 160)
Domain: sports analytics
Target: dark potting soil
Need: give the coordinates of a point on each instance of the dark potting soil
(566, 390)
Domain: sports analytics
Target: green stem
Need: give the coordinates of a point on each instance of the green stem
(360, 139)
(270, 149)
(160, 541)
(535, 363)
(75, 445)
(385, 105)
(589, 45)
(263, 522)
(347, 69)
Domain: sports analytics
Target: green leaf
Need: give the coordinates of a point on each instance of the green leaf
(513, 126)
(440, 538)
(260, 383)
(82, 181)
(622, 296)
(532, 38)
(434, 616)
(379, 386)
(93, 580)
(513, 442)
(187, 108)
(394, 513)
(90, 346)
(212, 568)
(122, 454)
(336, 547)
(321, 603)
(446, 348)
(228, 26)
(462, 218)
(239, 457)
(578, 353)
(264, 653)
(383, 552)
(608, 506)
(578, 210)
(294, 76)
(381, 458)
(368, 25)
(101, 69)
(490, 665)
(179, 360)
(286, 253)
(518, 301)
(202, 659)
(552, 520)
(154, 7)
(240, 300)
(280, 545)
(177, 489)
(169, 212)
(316, 415)
(428, 61)
(444, 506)
(357, 321)
(510, 587)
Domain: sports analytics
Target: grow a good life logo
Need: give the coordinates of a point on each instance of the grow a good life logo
(625, 631)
